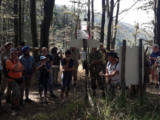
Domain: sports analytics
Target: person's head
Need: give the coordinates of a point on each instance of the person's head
(42, 59)
(54, 50)
(22, 44)
(73, 48)
(44, 51)
(26, 50)
(101, 46)
(112, 56)
(94, 49)
(155, 48)
(68, 53)
(14, 53)
(8, 46)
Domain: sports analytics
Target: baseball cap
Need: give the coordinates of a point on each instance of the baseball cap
(12, 50)
(42, 57)
(113, 54)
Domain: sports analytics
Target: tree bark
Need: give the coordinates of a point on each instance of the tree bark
(89, 18)
(113, 43)
(110, 25)
(15, 23)
(34, 27)
(155, 20)
(92, 19)
(23, 25)
(20, 22)
(48, 15)
(103, 21)
(158, 23)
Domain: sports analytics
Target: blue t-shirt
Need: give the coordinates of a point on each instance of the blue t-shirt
(48, 67)
(154, 54)
(28, 63)
(70, 65)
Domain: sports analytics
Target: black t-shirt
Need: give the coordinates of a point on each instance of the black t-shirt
(48, 58)
(56, 59)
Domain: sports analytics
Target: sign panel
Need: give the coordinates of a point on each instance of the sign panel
(79, 43)
(82, 34)
(131, 65)
(84, 25)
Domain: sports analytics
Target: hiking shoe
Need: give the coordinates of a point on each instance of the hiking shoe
(28, 100)
(41, 100)
(53, 96)
(156, 86)
(45, 100)
(66, 100)
(151, 83)
(62, 101)
(8, 100)
(15, 112)
(75, 85)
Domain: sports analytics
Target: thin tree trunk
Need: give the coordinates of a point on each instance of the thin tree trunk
(23, 26)
(34, 27)
(92, 19)
(108, 11)
(103, 21)
(155, 20)
(158, 23)
(110, 25)
(15, 23)
(48, 15)
(115, 28)
(1, 19)
(20, 22)
(89, 17)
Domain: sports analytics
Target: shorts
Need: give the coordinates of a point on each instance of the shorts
(15, 89)
(66, 82)
(154, 70)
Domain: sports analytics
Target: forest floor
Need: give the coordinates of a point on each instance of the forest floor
(37, 111)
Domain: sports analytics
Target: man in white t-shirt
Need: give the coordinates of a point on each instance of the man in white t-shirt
(112, 70)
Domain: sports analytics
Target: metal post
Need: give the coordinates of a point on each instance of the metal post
(140, 68)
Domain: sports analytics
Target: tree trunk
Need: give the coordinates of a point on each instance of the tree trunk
(23, 25)
(34, 27)
(48, 15)
(89, 18)
(110, 25)
(15, 23)
(103, 21)
(155, 20)
(20, 22)
(1, 19)
(92, 19)
(113, 43)
(158, 24)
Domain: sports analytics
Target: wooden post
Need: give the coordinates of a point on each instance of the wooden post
(140, 68)
(123, 82)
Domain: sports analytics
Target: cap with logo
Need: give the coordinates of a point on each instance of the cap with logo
(113, 54)
(42, 57)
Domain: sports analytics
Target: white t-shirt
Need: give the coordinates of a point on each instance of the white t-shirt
(111, 69)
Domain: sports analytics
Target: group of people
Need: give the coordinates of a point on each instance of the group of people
(17, 68)
(102, 64)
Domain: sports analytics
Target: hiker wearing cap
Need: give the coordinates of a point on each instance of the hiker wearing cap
(112, 70)
(29, 64)
(22, 44)
(104, 52)
(4, 57)
(153, 58)
(68, 66)
(43, 77)
(76, 56)
(15, 69)
(49, 61)
(95, 61)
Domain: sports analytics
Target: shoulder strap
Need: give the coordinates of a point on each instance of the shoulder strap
(104, 51)
(109, 63)
(11, 60)
(116, 64)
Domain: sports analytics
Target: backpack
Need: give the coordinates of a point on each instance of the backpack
(115, 65)
(5, 71)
